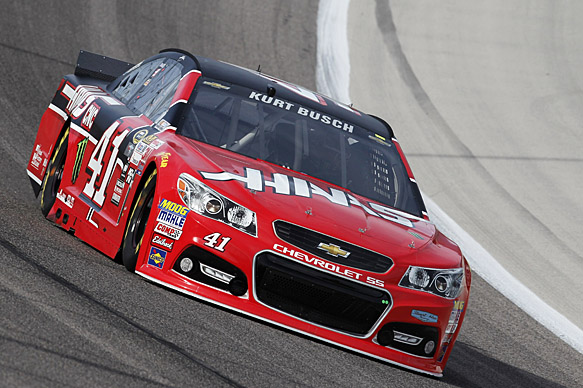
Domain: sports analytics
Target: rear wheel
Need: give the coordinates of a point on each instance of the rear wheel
(54, 174)
(136, 226)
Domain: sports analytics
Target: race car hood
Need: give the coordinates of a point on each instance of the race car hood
(276, 193)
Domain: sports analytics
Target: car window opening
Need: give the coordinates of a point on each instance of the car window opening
(301, 139)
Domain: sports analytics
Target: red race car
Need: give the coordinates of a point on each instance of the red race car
(254, 194)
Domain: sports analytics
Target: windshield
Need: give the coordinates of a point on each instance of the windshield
(302, 139)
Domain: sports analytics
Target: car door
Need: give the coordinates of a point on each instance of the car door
(114, 125)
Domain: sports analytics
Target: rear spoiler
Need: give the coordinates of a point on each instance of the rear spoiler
(99, 66)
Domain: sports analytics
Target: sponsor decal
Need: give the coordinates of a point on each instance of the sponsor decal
(442, 352)
(162, 125)
(139, 135)
(139, 152)
(37, 157)
(66, 198)
(174, 207)
(157, 143)
(115, 198)
(157, 257)
(119, 186)
(162, 242)
(167, 230)
(164, 159)
(83, 96)
(81, 146)
(452, 325)
(117, 191)
(129, 149)
(172, 213)
(454, 317)
(89, 117)
(290, 185)
(424, 316)
(130, 176)
(140, 168)
(149, 139)
(317, 262)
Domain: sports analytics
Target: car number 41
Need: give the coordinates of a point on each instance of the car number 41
(96, 164)
(212, 240)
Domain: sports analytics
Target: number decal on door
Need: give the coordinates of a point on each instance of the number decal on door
(96, 164)
(212, 240)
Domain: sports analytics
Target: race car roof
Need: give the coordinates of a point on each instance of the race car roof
(257, 81)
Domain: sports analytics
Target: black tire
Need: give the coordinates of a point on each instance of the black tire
(54, 174)
(136, 226)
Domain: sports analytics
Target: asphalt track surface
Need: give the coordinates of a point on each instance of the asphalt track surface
(69, 316)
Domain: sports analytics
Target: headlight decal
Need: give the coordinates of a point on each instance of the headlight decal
(207, 202)
(442, 282)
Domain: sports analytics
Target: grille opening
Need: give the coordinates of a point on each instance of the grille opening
(309, 240)
(318, 297)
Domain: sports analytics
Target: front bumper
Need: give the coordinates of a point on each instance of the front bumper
(377, 322)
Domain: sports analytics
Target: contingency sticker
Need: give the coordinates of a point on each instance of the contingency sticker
(162, 242)
(168, 230)
(172, 214)
(156, 257)
(454, 318)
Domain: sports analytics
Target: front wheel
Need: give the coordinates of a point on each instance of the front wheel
(137, 223)
(54, 174)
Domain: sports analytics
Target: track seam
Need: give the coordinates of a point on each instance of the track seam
(388, 29)
(67, 284)
(21, 50)
(525, 299)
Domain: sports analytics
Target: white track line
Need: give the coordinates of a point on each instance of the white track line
(485, 265)
(333, 79)
(333, 62)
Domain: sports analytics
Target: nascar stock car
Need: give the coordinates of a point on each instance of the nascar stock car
(255, 194)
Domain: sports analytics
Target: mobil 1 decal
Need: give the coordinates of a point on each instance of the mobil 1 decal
(105, 158)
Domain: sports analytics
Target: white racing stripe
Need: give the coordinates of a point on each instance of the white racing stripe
(333, 79)
(58, 111)
(34, 178)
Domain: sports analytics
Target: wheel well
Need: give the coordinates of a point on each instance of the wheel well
(147, 171)
(36, 187)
